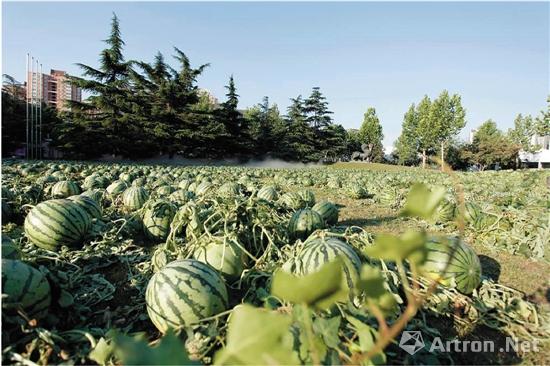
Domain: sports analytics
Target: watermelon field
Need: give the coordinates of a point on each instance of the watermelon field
(118, 263)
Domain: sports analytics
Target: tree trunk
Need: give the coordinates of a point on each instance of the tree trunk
(424, 159)
(442, 156)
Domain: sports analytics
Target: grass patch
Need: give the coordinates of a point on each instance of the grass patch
(372, 166)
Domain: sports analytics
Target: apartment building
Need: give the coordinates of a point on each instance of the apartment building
(56, 89)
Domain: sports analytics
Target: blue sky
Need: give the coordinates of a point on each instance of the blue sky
(385, 55)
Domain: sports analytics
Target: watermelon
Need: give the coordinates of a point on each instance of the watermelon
(356, 191)
(308, 198)
(65, 189)
(204, 188)
(9, 249)
(303, 223)
(92, 208)
(116, 188)
(95, 194)
(321, 250)
(268, 193)
(223, 255)
(157, 218)
(292, 200)
(181, 196)
(184, 292)
(54, 223)
(24, 287)
(134, 197)
(444, 212)
(228, 190)
(464, 270)
(328, 212)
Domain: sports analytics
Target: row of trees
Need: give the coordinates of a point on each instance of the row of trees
(431, 128)
(138, 109)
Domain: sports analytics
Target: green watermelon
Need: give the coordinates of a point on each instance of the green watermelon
(224, 256)
(54, 223)
(268, 193)
(293, 200)
(464, 270)
(9, 249)
(184, 292)
(24, 287)
(134, 197)
(89, 205)
(157, 218)
(65, 189)
(303, 223)
(321, 250)
(308, 198)
(116, 188)
(357, 191)
(328, 211)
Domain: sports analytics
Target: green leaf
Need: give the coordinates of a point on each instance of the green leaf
(367, 338)
(102, 352)
(320, 289)
(422, 202)
(373, 284)
(328, 330)
(411, 245)
(136, 351)
(257, 336)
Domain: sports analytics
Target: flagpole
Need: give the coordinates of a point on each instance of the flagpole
(40, 151)
(27, 107)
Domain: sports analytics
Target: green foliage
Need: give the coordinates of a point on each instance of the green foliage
(490, 147)
(422, 202)
(370, 133)
(257, 336)
(319, 290)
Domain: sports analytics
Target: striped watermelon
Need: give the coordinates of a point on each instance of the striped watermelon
(328, 211)
(229, 190)
(157, 218)
(204, 188)
(303, 223)
(472, 212)
(293, 200)
(95, 194)
(54, 223)
(181, 196)
(268, 193)
(9, 249)
(184, 292)
(308, 198)
(134, 197)
(65, 189)
(92, 208)
(464, 270)
(224, 256)
(357, 191)
(444, 212)
(321, 250)
(24, 287)
(116, 188)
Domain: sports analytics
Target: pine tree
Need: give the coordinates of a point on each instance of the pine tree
(104, 120)
(316, 109)
(370, 133)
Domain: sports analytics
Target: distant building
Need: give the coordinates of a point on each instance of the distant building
(472, 135)
(540, 158)
(56, 89)
(207, 94)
